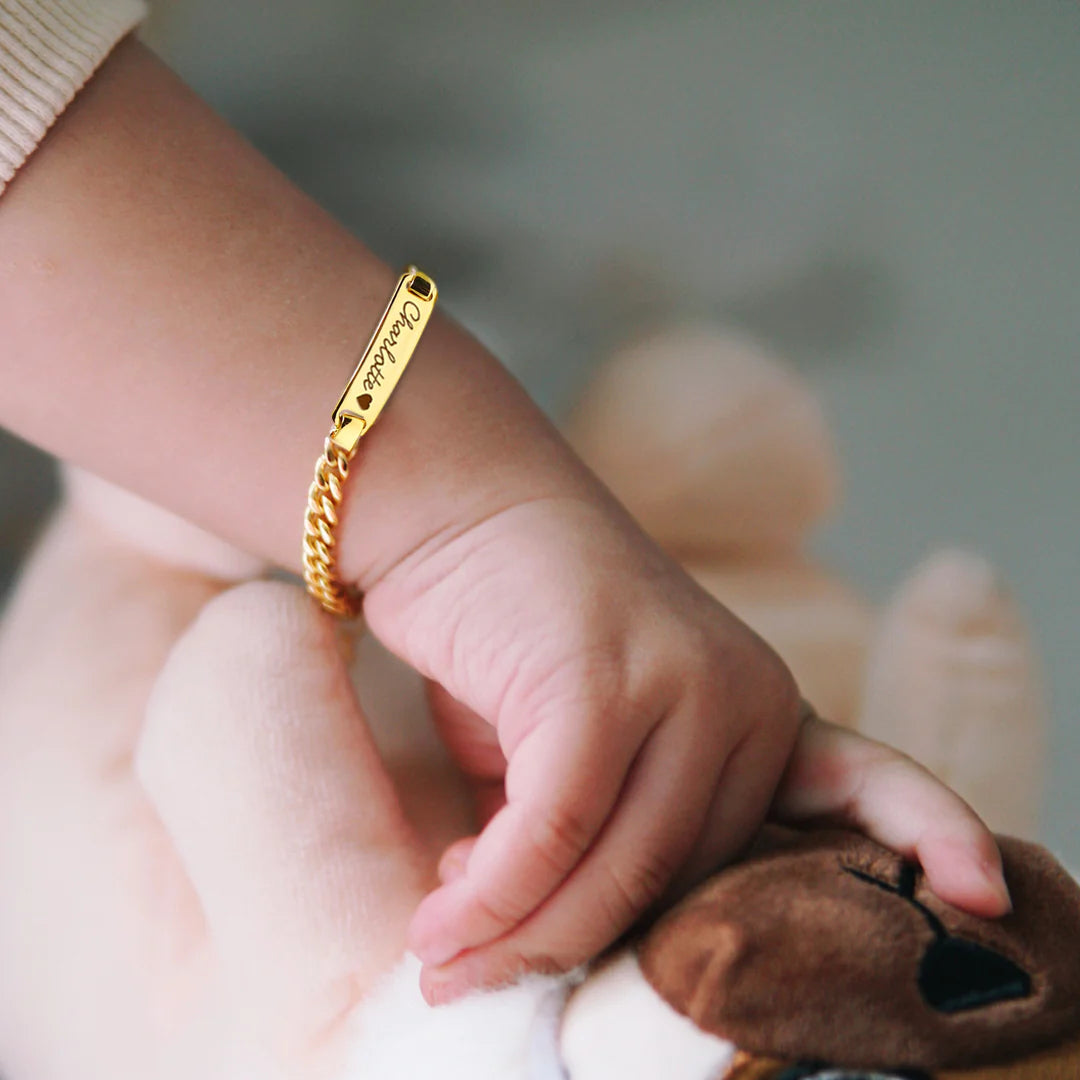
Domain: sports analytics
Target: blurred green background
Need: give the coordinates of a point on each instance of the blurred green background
(886, 193)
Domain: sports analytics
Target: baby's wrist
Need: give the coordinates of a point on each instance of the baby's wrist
(459, 442)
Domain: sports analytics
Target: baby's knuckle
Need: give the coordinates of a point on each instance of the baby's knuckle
(631, 889)
(785, 696)
(561, 835)
(776, 696)
(500, 907)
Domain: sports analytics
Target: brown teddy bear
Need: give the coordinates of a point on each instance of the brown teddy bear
(823, 955)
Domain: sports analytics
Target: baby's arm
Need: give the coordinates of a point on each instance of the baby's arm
(179, 319)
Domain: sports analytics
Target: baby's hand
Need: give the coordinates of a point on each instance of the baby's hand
(630, 732)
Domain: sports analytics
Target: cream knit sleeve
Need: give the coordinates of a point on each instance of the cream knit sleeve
(48, 49)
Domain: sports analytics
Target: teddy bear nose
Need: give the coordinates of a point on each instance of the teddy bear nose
(956, 975)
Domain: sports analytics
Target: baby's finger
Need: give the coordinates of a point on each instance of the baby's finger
(561, 786)
(472, 741)
(262, 769)
(657, 818)
(474, 745)
(839, 777)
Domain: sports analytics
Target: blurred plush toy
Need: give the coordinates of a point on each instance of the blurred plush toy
(210, 870)
(723, 454)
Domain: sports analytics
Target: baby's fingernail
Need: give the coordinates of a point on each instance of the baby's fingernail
(440, 987)
(979, 880)
(436, 951)
(431, 947)
(995, 879)
(433, 934)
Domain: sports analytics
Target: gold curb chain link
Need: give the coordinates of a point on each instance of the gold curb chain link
(381, 366)
(320, 525)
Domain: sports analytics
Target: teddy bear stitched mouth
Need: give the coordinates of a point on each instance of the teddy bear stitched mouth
(955, 975)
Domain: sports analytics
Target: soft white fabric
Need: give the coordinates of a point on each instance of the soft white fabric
(617, 1027)
(489, 1036)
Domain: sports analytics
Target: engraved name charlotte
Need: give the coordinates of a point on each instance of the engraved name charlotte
(382, 351)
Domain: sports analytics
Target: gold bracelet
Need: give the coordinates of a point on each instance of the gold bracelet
(381, 366)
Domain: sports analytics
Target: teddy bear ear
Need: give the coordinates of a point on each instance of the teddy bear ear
(826, 947)
(712, 444)
(155, 532)
(954, 680)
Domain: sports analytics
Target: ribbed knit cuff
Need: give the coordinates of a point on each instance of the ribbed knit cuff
(48, 50)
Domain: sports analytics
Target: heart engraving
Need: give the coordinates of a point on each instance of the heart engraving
(364, 401)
